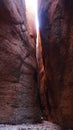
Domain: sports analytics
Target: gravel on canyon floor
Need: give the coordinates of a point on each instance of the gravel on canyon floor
(42, 126)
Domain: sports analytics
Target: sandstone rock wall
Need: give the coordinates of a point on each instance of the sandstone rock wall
(18, 66)
(56, 30)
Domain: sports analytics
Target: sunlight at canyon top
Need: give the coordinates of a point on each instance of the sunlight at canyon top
(32, 20)
(31, 7)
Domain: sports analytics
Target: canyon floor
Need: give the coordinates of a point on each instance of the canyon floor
(42, 126)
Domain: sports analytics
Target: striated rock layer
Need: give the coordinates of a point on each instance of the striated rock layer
(18, 66)
(56, 30)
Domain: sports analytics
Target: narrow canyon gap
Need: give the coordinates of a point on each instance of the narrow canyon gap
(29, 57)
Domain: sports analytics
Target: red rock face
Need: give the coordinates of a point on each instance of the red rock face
(68, 6)
(56, 30)
(18, 67)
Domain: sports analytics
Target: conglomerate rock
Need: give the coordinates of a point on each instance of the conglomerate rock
(18, 66)
(56, 30)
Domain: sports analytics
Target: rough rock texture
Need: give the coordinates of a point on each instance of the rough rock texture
(18, 67)
(56, 30)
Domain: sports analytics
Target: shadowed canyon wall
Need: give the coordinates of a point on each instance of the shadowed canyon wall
(56, 30)
(18, 66)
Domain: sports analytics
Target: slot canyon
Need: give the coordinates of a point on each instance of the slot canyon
(36, 64)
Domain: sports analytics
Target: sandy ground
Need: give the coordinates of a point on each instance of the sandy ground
(43, 126)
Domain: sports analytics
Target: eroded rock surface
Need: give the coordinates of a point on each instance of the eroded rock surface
(56, 29)
(18, 66)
